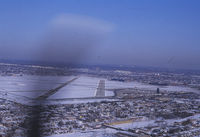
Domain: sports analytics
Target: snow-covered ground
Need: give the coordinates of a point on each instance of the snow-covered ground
(137, 124)
(33, 86)
(30, 86)
(23, 88)
(94, 133)
(117, 84)
(145, 123)
(82, 87)
(75, 101)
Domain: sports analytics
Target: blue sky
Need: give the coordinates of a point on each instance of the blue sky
(160, 33)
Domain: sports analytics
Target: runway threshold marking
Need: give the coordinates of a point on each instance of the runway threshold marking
(53, 91)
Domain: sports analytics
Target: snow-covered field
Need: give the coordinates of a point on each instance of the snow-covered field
(30, 87)
(117, 84)
(82, 87)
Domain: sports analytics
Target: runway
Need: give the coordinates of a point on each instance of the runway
(100, 92)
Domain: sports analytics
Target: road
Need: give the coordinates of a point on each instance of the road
(53, 91)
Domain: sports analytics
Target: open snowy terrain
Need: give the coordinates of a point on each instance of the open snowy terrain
(30, 87)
